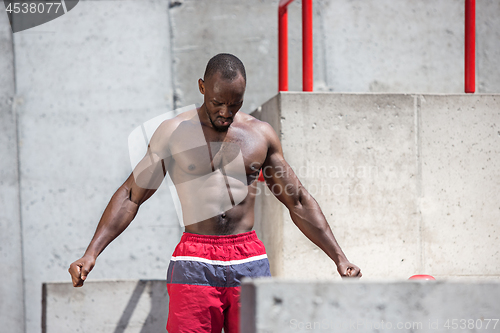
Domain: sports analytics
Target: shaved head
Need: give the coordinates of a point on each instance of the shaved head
(228, 65)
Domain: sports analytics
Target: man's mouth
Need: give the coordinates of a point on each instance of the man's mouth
(225, 122)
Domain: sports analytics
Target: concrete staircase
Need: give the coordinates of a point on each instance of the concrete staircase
(409, 185)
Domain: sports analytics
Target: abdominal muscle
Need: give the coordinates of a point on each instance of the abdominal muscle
(217, 204)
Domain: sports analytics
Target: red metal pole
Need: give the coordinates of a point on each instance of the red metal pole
(470, 46)
(307, 45)
(283, 45)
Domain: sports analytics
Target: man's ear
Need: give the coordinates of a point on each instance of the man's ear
(201, 86)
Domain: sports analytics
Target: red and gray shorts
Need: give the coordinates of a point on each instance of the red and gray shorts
(204, 277)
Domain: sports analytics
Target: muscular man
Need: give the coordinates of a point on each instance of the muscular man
(213, 155)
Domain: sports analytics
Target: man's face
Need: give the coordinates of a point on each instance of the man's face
(223, 99)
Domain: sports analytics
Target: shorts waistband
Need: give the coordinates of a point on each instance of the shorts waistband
(222, 239)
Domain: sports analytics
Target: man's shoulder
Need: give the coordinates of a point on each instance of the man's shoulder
(255, 124)
(261, 129)
(167, 126)
(163, 133)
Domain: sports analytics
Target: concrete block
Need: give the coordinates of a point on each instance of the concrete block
(105, 306)
(406, 183)
(460, 145)
(270, 305)
(11, 282)
(355, 154)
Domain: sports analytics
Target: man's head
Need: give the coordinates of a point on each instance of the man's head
(223, 87)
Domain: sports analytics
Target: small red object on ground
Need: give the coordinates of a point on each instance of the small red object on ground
(421, 277)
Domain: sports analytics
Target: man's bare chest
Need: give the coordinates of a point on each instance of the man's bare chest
(239, 151)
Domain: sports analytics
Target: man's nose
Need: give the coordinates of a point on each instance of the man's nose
(225, 112)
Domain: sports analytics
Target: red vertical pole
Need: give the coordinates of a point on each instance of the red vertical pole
(470, 46)
(282, 48)
(307, 45)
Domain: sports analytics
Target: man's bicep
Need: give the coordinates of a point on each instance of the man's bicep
(159, 144)
(151, 170)
(147, 177)
(279, 175)
(149, 173)
(282, 181)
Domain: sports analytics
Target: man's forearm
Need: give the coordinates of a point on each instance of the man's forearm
(115, 219)
(309, 218)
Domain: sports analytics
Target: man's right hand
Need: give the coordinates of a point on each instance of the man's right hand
(80, 269)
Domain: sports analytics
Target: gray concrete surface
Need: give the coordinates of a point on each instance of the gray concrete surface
(407, 183)
(268, 210)
(248, 29)
(369, 46)
(488, 50)
(414, 50)
(84, 82)
(105, 306)
(397, 306)
(11, 280)
(459, 168)
(87, 79)
(407, 46)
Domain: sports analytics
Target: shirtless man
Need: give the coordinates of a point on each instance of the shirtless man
(213, 155)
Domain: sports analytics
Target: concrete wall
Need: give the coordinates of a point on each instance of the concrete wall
(290, 306)
(488, 50)
(248, 29)
(407, 46)
(406, 182)
(359, 46)
(11, 281)
(84, 82)
(105, 306)
(88, 78)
